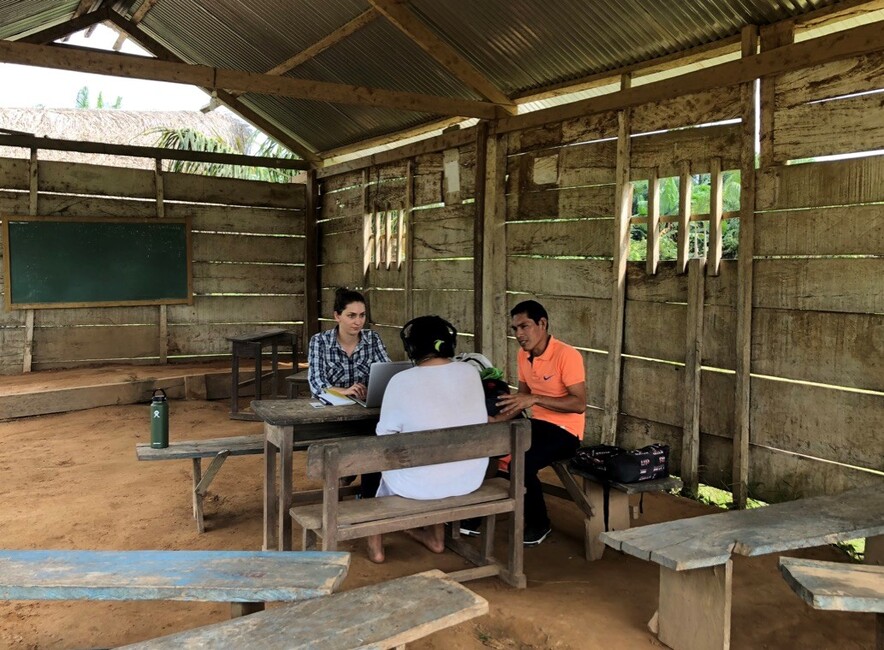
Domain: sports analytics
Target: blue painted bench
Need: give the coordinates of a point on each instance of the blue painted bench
(246, 579)
(387, 615)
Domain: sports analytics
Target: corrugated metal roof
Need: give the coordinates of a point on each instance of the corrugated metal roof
(520, 46)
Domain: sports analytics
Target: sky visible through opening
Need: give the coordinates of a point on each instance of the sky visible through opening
(33, 87)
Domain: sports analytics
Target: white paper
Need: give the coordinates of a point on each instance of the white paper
(334, 400)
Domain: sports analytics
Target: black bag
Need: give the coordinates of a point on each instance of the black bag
(614, 464)
(494, 388)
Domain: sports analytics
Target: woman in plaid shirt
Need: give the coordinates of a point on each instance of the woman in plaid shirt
(341, 357)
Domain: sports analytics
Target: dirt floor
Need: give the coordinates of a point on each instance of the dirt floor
(71, 481)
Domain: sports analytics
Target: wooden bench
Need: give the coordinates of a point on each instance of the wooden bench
(838, 586)
(694, 555)
(246, 579)
(335, 521)
(588, 493)
(218, 449)
(387, 615)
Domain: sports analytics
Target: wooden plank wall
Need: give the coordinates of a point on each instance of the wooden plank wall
(817, 385)
(435, 192)
(248, 256)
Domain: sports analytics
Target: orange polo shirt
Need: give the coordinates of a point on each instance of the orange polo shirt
(559, 366)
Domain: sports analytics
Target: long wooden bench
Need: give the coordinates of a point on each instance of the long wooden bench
(694, 555)
(218, 449)
(588, 492)
(246, 579)
(387, 615)
(838, 586)
(335, 520)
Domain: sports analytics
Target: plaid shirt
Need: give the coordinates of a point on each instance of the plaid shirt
(329, 365)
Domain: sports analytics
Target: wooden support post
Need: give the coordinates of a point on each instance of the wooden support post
(618, 517)
(160, 195)
(244, 609)
(479, 230)
(653, 256)
(772, 37)
(494, 308)
(408, 223)
(202, 486)
(367, 237)
(874, 553)
(33, 183)
(716, 208)
(690, 447)
(622, 209)
(311, 260)
(740, 473)
(685, 187)
(695, 608)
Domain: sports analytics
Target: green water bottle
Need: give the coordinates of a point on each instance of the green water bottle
(159, 420)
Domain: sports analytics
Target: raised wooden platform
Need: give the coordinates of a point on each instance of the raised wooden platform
(59, 391)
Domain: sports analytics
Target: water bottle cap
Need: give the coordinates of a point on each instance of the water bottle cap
(160, 398)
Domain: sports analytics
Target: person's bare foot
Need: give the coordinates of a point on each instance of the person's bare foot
(433, 537)
(375, 548)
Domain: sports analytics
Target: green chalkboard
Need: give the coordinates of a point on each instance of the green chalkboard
(51, 262)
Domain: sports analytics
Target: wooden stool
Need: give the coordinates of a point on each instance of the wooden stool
(251, 347)
(296, 385)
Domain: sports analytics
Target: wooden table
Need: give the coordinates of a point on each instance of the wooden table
(295, 424)
(251, 347)
(695, 555)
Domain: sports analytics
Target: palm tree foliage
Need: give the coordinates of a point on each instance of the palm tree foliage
(699, 230)
(251, 143)
(83, 100)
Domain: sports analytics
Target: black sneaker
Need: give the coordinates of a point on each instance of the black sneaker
(470, 527)
(534, 535)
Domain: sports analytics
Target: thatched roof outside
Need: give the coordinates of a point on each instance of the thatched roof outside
(110, 126)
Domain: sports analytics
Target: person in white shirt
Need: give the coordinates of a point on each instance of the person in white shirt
(437, 393)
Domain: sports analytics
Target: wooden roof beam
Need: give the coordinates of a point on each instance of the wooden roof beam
(138, 67)
(409, 24)
(289, 140)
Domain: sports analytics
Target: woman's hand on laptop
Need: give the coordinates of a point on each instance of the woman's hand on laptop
(356, 390)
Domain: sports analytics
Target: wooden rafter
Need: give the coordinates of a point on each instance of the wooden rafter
(83, 7)
(70, 27)
(387, 139)
(289, 140)
(138, 67)
(336, 36)
(409, 24)
(136, 18)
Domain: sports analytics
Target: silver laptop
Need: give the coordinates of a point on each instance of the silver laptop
(379, 376)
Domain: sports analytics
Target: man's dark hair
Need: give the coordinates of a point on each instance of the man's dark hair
(344, 296)
(532, 309)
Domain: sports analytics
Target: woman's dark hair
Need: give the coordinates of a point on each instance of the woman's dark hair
(532, 309)
(428, 336)
(344, 296)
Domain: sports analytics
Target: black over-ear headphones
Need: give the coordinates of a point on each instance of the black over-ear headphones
(408, 340)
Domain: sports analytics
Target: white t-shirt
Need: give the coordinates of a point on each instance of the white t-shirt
(433, 397)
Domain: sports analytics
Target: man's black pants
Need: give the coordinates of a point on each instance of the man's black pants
(549, 443)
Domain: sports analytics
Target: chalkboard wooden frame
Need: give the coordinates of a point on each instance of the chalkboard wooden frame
(9, 251)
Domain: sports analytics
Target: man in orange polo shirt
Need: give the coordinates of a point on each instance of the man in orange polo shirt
(552, 383)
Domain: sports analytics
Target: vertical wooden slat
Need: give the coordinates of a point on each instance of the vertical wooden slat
(492, 342)
(653, 258)
(407, 222)
(388, 234)
(33, 183)
(162, 320)
(715, 210)
(622, 208)
(740, 478)
(772, 36)
(690, 451)
(479, 226)
(311, 259)
(685, 187)
(367, 224)
(378, 240)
